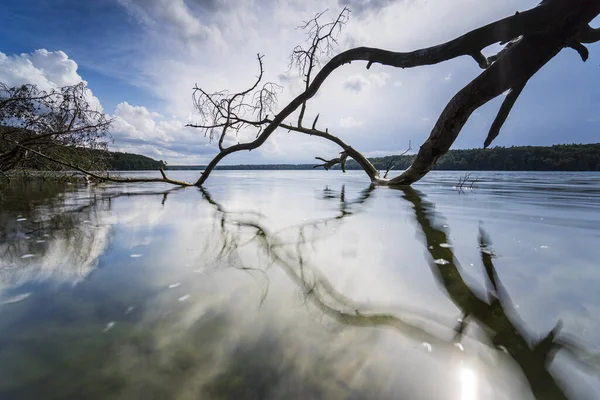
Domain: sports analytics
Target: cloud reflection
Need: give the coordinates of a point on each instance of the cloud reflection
(269, 318)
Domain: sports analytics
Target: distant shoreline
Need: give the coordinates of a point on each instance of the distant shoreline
(309, 167)
(564, 157)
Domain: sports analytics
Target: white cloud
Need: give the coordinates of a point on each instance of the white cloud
(379, 79)
(139, 130)
(224, 58)
(46, 69)
(175, 13)
(349, 122)
(214, 43)
(356, 83)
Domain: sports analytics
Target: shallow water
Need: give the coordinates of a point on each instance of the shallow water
(302, 284)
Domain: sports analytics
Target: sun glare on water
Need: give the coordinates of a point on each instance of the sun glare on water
(468, 384)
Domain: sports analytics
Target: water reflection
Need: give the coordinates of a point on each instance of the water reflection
(490, 308)
(54, 233)
(208, 309)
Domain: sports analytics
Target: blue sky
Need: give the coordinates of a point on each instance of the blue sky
(141, 58)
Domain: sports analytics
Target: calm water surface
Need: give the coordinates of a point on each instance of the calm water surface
(302, 285)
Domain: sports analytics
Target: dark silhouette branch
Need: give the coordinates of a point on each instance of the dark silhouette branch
(59, 122)
(505, 108)
(584, 53)
(328, 164)
(533, 37)
(391, 164)
(589, 35)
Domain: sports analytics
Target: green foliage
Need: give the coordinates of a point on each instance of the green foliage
(116, 161)
(568, 157)
(256, 167)
(38, 125)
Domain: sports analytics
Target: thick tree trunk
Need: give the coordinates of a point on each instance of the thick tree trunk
(534, 37)
(512, 70)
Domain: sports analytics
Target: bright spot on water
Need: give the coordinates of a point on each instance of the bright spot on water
(21, 219)
(446, 245)
(184, 298)
(135, 255)
(441, 261)
(174, 285)
(27, 255)
(40, 241)
(427, 346)
(109, 326)
(129, 309)
(544, 247)
(468, 384)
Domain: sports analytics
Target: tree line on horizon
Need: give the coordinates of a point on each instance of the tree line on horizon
(62, 128)
(564, 157)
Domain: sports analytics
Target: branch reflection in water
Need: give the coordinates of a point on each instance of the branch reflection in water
(490, 308)
(216, 343)
(59, 232)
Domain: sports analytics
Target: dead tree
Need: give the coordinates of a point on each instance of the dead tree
(531, 38)
(56, 130)
(61, 123)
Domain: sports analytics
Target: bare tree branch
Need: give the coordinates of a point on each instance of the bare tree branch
(56, 122)
(391, 164)
(328, 164)
(507, 105)
(589, 35)
(106, 177)
(222, 111)
(533, 38)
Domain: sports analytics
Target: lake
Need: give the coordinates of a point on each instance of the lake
(302, 285)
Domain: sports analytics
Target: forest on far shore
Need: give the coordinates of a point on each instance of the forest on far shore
(564, 157)
(570, 157)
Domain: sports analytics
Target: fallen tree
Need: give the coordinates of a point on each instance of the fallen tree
(56, 130)
(61, 123)
(530, 38)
